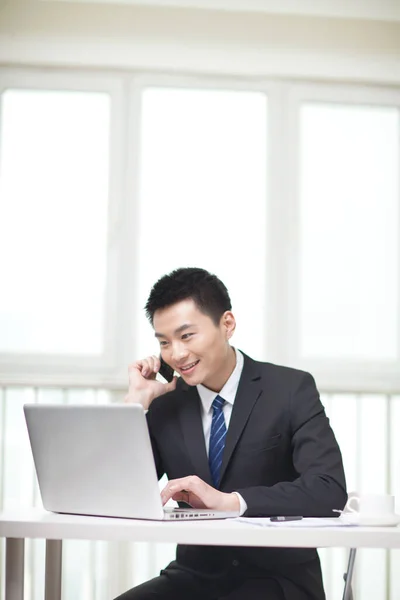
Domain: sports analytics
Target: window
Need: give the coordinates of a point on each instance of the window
(60, 189)
(202, 198)
(294, 204)
(349, 207)
(343, 207)
(53, 221)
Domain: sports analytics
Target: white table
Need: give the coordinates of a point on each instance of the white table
(19, 525)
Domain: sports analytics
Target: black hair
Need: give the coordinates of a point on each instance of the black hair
(206, 290)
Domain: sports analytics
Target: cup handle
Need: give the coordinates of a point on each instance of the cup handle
(349, 506)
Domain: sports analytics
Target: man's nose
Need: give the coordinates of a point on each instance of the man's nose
(179, 352)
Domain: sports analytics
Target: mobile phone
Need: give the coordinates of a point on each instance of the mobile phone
(166, 371)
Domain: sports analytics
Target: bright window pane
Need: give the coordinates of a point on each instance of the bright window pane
(53, 221)
(203, 199)
(349, 274)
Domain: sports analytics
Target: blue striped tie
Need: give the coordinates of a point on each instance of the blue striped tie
(217, 440)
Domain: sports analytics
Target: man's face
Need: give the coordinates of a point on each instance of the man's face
(193, 345)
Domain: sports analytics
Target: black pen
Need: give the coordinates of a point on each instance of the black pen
(285, 519)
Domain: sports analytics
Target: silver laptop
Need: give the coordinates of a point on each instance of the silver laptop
(97, 460)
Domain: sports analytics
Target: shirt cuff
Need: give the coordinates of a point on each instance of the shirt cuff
(243, 505)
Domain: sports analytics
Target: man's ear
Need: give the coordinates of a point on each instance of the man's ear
(228, 323)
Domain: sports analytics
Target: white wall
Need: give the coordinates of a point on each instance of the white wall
(58, 33)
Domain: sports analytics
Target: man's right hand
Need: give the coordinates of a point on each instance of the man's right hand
(143, 386)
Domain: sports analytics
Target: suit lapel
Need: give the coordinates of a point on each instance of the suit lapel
(248, 392)
(193, 435)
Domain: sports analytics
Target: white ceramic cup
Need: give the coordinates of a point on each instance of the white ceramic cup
(371, 504)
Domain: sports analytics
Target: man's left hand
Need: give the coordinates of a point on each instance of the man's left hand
(199, 494)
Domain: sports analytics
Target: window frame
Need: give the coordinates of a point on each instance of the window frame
(141, 82)
(62, 369)
(332, 374)
(281, 335)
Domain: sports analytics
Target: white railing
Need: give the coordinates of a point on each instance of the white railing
(366, 427)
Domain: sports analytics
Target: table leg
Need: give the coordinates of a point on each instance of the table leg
(53, 570)
(15, 569)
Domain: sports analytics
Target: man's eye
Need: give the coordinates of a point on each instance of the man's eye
(186, 336)
(163, 343)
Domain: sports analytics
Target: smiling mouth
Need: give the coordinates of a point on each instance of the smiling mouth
(189, 368)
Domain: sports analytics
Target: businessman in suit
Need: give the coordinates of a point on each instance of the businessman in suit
(235, 434)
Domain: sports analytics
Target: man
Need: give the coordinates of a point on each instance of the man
(232, 434)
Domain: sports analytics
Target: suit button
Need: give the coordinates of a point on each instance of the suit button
(235, 563)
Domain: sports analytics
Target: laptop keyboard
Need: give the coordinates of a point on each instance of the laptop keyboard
(186, 513)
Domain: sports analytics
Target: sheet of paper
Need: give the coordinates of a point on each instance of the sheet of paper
(305, 522)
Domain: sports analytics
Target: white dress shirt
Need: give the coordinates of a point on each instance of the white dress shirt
(228, 393)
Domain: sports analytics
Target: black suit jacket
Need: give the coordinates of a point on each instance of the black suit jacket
(280, 454)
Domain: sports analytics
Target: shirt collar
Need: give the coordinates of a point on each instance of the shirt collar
(229, 390)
